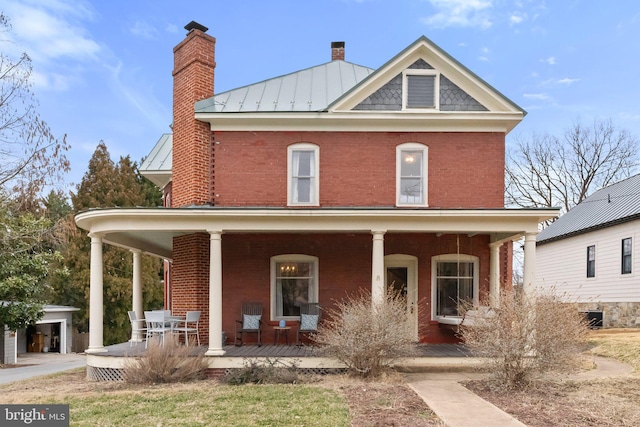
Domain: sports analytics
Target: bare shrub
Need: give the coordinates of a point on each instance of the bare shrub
(267, 371)
(529, 334)
(367, 337)
(169, 364)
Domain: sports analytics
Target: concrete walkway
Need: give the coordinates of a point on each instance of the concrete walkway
(456, 406)
(36, 364)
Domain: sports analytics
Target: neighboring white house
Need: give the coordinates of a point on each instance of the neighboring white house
(593, 253)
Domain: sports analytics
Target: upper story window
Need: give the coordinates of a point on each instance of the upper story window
(591, 261)
(626, 255)
(294, 281)
(303, 174)
(411, 174)
(420, 89)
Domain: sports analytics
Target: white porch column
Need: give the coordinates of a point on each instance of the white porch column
(377, 267)
(528, 281)
(96, 310)
(215, 295)
(136, 304)
(494, 274)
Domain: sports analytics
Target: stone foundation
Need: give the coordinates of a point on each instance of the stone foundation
(616, 314)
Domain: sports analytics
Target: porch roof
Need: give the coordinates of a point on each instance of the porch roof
(152, 230)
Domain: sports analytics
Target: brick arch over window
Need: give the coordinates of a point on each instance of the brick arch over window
(412, 160)
(303, 174)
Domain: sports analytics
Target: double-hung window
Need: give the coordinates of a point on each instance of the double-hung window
(294, 281)
(626, 255)
(456, 282)
(591, 261)
(303, 182)
(411, 174)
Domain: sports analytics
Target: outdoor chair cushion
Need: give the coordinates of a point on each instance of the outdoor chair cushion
(308, 322)
(251, 321)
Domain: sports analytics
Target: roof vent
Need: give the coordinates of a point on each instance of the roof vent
(337, 51)
(193, 25)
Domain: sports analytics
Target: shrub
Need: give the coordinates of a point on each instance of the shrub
(367, 337)
(169, 364)
(267, 371)
(529, 334)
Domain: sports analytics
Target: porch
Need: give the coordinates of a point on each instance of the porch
(107, 365)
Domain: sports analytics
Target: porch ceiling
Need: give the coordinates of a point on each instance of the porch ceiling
(152, 229)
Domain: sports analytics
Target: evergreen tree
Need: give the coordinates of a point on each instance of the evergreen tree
(107, 185)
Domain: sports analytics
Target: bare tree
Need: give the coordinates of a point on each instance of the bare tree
(32, 156)
(547, 171)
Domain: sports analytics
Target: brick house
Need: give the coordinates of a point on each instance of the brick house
(348, 176)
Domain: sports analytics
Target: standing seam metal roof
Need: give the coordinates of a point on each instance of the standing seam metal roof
(610, 205)
(311, 89)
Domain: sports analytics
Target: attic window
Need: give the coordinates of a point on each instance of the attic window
(420, 89)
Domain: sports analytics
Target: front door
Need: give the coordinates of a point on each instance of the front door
(401, 274)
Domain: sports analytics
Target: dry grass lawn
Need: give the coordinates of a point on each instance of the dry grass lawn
(605, 402)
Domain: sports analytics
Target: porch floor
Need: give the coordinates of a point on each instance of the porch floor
(270, 350)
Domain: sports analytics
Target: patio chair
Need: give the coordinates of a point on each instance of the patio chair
(156, 325)
(138, 332)
(193, 318)
(309, 319)
(250, 323)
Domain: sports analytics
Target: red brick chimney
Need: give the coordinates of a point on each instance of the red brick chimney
(337, 51)
(193, 74)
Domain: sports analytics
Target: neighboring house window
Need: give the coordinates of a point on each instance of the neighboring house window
(456, 281)
(411, 174)
(420, 89)
(294, 281)
(303, 181)
(591, 261)
(626, 255)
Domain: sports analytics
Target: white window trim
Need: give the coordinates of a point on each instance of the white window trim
(434, 283)
(413, 146)
(405, 88)
(595, 262)
(629, 274)
(303, 146)
(313, 293)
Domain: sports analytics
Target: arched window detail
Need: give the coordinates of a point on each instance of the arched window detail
(294, 281)
(303, 174)
(411, 174)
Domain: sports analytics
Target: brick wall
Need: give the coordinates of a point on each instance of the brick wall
(193, 76)
(344, 267)
(466, 170)
(190, 278)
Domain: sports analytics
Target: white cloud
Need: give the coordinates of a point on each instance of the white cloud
(537, 96)
(144, 30)
(50, 31)
(171, 28)
(460, 13)
(550, 60)
(517, 18)
(567, 81)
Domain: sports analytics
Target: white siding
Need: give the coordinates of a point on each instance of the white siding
(563, 264)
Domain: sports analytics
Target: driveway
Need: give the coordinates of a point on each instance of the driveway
(35, 364)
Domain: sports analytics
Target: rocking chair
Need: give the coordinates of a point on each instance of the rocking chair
(309, 319)
(251, 322)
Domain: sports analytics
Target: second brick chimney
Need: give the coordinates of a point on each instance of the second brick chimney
(193, 74)
(337, 51)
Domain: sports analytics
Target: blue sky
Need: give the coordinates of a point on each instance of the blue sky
(102, 69)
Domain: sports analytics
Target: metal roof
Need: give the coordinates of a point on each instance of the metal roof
(311, 89)
(157, 165)
(617, 203)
